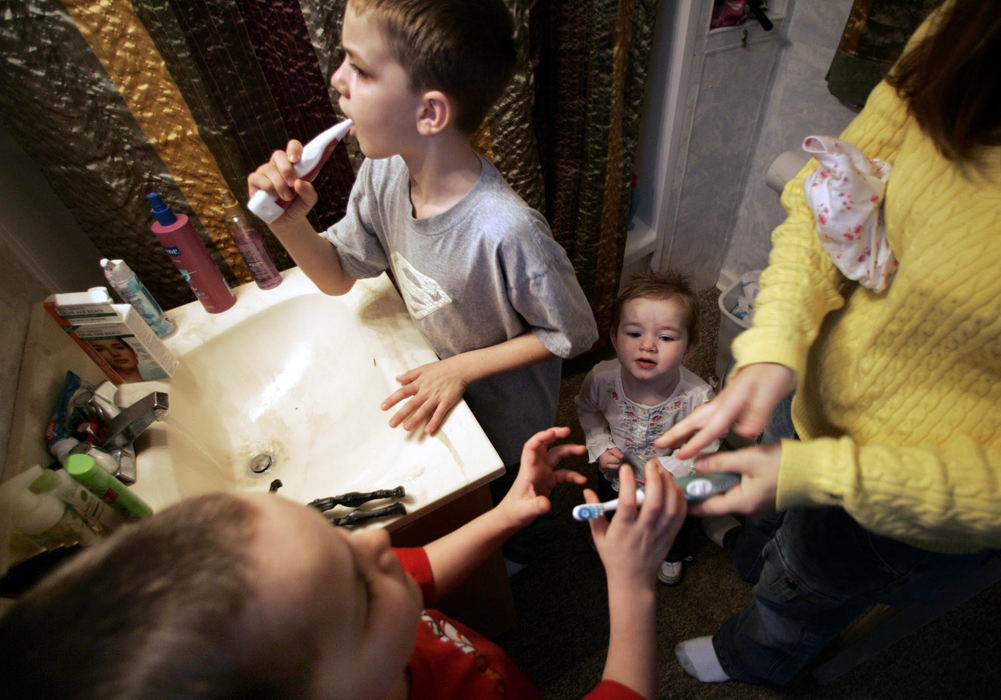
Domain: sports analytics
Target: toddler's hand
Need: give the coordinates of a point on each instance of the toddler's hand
(637, 539)
(278, 177)
(528, 497)
(611, 459)
(433, 389)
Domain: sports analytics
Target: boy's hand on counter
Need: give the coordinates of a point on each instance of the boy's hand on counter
(433, 390)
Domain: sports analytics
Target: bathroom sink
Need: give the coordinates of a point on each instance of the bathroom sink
(290, 380)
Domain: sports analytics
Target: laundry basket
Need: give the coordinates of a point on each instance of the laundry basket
(736, 307)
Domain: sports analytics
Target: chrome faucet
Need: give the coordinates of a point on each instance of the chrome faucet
(133, 420)
(116, 440)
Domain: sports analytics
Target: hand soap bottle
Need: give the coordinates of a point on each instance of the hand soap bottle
(251, 246)
(186, 249)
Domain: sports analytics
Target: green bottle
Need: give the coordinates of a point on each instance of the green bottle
(84, 469)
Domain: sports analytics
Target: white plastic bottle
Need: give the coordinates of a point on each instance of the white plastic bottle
(101, 517)
(47, 521)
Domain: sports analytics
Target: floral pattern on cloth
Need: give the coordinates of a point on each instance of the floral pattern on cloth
(641, 425)
(846, 193)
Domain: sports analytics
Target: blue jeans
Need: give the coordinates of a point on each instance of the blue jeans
(821, 570)
(746, 544)
(818, 572)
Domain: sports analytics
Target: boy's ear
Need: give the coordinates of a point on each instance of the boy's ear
(436, 113)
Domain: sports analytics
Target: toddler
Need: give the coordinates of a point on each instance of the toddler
(626, 403)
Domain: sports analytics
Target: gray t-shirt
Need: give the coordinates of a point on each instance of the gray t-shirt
(485, 271)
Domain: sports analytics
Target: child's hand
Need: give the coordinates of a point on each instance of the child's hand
(278, 177)
(611, 459)
(528, 497)
(434, 389)
(635, 542)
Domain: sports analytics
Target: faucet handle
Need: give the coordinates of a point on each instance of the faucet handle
(133, 420)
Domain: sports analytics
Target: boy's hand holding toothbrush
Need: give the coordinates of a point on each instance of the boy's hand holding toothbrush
(634, 543)
(278, 177)
(631, 548)
(281, 195)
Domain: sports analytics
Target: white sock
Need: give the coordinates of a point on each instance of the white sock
(698, 658)
(716, 527)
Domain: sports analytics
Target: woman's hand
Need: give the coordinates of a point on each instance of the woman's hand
(745, 404)
(755, 494)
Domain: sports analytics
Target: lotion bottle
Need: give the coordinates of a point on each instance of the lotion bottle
(186, 249)
(124, 281)
(251, 246)
(46, 520)
(265, 205)
(101, 517)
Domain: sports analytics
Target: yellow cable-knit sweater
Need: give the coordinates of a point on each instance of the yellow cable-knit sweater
(899, 393)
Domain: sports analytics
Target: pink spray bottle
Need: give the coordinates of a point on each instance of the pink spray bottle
(186, 249)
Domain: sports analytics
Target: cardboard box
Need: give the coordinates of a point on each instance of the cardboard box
(115, 336)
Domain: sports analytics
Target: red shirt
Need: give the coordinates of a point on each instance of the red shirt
(451, 660)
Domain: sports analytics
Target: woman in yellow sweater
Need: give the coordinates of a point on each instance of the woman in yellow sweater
(894, 485)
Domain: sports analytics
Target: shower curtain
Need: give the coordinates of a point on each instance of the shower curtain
(117, 98)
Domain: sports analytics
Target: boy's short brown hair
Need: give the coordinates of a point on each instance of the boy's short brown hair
(465, 48)
(160, 609)
(663, 286)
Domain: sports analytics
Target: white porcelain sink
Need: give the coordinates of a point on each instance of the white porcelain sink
(298, 375)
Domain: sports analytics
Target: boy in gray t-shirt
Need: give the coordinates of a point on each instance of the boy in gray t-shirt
(492, 292)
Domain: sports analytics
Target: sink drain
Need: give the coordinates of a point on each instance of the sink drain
(261, 463)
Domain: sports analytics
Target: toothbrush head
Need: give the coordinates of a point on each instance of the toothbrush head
(588, 511)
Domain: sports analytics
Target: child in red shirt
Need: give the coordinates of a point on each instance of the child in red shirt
(254, 595)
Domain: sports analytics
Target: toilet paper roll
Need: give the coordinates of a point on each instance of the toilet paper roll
(784, 168)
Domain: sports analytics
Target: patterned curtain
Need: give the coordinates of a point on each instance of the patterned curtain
(117, 98)
(874, 36)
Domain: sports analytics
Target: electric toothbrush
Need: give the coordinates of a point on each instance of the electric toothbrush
(697, 487)
(266, 206)
(590, 511)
